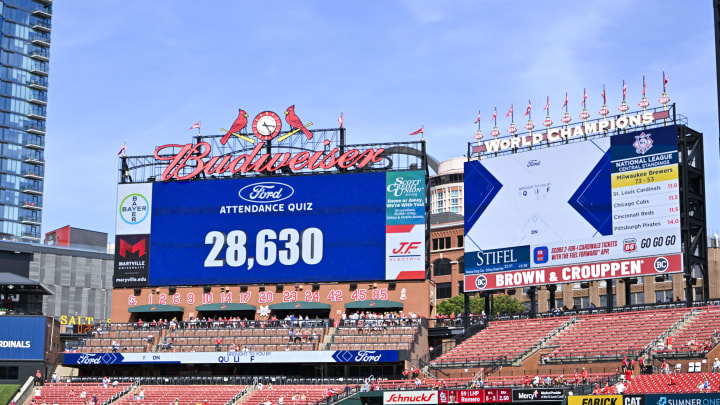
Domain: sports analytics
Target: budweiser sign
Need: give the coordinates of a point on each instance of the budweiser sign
(410, 397)
(194, 159)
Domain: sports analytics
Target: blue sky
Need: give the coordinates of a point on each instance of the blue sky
(144, 71)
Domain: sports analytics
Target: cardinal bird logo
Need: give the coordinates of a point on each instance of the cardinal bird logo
(294, 121)
(237, 126)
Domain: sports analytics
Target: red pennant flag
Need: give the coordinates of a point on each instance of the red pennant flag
(643, 85)
(624, 90)
(494, 117)
(584, 97)
(529, 107)
(419, 131)
(122, 149)
(665, 82)
(603, 95)
(547, 104)
(566, 100)
(509, 113)
(478, 118)
(340, 120)
(195, 126)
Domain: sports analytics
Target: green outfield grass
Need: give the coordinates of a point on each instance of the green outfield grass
(6, 391)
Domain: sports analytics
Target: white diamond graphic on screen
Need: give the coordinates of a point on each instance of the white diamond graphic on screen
(345, 356)
(108, 358)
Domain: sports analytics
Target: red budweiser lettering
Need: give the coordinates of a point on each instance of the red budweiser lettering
(195, 158)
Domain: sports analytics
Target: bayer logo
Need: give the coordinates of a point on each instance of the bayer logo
(481, 282)
(661, 264)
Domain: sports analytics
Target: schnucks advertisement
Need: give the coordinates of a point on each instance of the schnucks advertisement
(589, 210)
(342, 227)
(22, 338)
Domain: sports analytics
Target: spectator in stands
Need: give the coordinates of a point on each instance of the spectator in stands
(94, 399)
(620, 387)
(38, 393)
(536, 381)
(140, 323)
(632, 365)
(418, 382)
(526, 381)
(561, 380)
(83, 395)
(673, 379)
(628, 374)
(38, 377)
(415, 371)
(281, 400)
(547, 381)
(665, 367)
(405, 374)
(218, 343)
(577, 378)
(716, 365)
(669, 342)
(177, 401)
(597, 390)
(54, 377)
(624, 363)
(584, 376)
(704, 386)
(115, 384)
(641, 364)
(660, 346)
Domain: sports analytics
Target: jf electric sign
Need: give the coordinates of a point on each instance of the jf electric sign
(335, 227)
(593, 210)
(22, 338)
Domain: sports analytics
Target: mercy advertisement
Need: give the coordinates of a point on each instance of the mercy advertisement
(596, 209)
(341, 227)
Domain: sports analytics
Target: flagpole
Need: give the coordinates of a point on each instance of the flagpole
(664, 100)
(624, 107)
(604, 110)
(548, 121)
(479, 134)
(585, 114)
(644, 103)
(566, 118)
(529, 126)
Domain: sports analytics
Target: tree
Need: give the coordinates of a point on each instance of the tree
(502, 304)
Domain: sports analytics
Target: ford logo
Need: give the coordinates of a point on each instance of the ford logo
(266, 192)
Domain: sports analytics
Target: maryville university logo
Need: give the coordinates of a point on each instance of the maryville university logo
(642, 143)
(629, 245)
(126, 248)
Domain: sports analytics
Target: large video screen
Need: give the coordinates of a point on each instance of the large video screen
(342, 227)
(589, 210)
(22, 338)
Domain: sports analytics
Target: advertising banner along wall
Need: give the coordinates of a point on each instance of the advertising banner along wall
(342, 227)
(589, 210)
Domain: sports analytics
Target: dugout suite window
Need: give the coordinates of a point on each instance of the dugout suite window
(443, 290)
(9, 372)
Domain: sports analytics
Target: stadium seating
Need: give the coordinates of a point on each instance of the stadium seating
(374, 337)
(699, 329)
(505, 340)
(660, 383)
(70, 393)
(312, 393)
(185, 394)
(612, 335)
(252, 339)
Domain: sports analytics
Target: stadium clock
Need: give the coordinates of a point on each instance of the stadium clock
(266, 125)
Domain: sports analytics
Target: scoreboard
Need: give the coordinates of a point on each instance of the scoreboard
(589, 210)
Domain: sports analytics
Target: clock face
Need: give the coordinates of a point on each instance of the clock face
(266, 125)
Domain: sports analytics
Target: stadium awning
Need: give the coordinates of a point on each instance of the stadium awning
(288, 306)
(19, 285)
(374, 304)
(156, 308)
(229, 306)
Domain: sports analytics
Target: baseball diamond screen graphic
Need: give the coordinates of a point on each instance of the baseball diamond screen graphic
(603, 208)
(339, 227)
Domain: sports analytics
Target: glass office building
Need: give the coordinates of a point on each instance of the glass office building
(24, 61)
